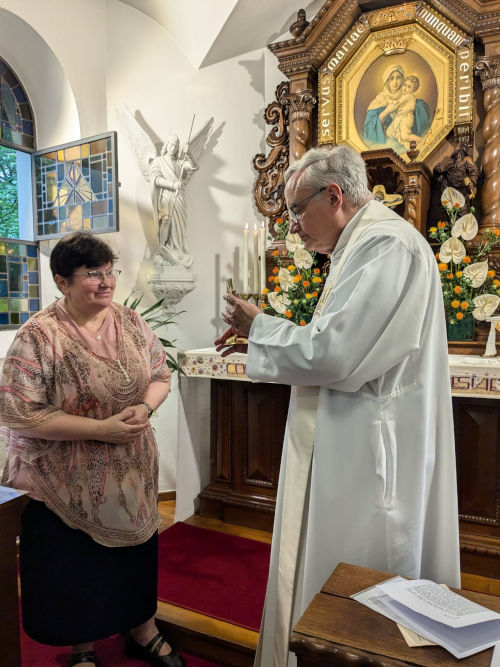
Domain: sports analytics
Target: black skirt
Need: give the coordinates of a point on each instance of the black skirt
(74, 590)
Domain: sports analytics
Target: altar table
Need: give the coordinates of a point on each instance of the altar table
(228, 468)
(336, 630)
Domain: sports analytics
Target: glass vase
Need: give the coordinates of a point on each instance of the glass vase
(462, 329)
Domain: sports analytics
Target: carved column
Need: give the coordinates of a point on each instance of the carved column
(488, 69)
(301, 105)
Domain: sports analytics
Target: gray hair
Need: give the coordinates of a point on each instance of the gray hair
(341, 165)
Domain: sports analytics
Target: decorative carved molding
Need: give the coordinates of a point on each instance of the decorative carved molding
(272, 168)
(411, 180)
(479, 545)
(298, 26)
(487, 68)
(301, 105)
(307, 52)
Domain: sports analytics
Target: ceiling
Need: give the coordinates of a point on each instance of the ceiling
(210, 32)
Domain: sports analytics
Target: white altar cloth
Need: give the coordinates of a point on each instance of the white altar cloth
(474, 376)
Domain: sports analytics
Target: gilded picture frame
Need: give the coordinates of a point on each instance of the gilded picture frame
(388, 99)
(399, 75)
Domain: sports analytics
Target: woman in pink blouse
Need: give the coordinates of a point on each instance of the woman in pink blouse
(79, 384)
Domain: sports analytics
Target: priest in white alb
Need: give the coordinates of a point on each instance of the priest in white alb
(368, 468)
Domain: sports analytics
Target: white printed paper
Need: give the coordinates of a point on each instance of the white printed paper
(442, 605)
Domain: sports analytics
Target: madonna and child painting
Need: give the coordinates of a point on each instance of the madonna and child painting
(403, 108)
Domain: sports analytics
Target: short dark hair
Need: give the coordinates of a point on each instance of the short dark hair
(79, 249)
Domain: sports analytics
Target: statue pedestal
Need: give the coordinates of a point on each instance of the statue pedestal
(171, 283)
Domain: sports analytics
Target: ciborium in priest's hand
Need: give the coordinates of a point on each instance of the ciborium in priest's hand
(236, 340)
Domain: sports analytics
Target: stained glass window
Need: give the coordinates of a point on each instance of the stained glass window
(19, 282)
(76, 187)
(16, 119)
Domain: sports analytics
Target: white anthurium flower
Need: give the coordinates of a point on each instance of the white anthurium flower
(285, 278)
(476, 273)
(452, 198)
(302, 258)
(466, 227)
(452, 249)
(486, 304)
(293, 242)
(278, 301)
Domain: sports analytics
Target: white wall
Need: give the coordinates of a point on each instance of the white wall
(81, 60)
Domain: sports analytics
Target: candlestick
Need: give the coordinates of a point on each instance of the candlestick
(245, 259)
(255, 259)
(262, 257)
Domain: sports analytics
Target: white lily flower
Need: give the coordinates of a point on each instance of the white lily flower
(285, 278)
(293, 242)
(466, 227)
(302, 258)
(452, 249)
(278, 301)
(486, 304)
(477, 273)
(452, 198)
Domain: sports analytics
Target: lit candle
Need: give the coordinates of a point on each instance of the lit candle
(262, 257)
(255, 259)
(245, 260)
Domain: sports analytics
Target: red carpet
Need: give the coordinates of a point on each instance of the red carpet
(219, 575)
(110, 653)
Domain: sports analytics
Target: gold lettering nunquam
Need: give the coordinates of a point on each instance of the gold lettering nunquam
(439, 25)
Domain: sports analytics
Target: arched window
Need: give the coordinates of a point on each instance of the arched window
(19, 261)
(16, 118)
(45, 194)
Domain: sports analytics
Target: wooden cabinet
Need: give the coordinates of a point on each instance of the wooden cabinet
(10, 515)
(477, 435)
(247, 426)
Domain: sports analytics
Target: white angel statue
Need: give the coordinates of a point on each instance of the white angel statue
(168, 174)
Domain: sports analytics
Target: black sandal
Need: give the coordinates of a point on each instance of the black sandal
(150, 652)
(82, 656)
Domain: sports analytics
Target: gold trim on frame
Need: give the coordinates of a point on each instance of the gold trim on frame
(421, 47)
(425, 44)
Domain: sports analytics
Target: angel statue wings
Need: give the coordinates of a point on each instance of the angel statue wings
(169, 174)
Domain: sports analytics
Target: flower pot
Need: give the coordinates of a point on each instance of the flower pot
(461, 330)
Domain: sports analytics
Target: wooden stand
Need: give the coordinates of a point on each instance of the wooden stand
(336, 630)
(247, 426)
(10, 515)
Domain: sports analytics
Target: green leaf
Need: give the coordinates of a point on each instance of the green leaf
(156, 316)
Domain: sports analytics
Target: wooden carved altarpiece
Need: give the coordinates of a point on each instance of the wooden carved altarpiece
(467, 27)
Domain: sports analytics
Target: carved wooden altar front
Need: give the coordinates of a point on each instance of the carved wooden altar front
(317, 105)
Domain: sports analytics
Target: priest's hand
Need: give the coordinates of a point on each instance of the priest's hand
(239, 314)
(226, 348)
